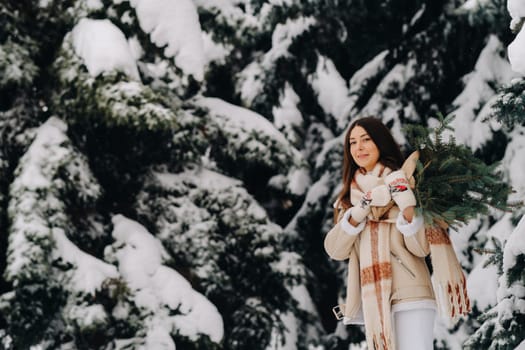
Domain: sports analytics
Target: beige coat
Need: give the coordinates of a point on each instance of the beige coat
(410, 275)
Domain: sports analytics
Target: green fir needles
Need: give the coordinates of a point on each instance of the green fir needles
(452, 185)
(509, 108)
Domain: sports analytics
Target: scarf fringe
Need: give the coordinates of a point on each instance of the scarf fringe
(453, 301)
(450, 285)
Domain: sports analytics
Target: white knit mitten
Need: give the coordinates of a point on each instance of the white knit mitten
(400, 189)
(379, 196)
(361, 209)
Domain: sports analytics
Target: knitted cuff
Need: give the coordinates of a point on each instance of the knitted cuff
(409, 228)
(349, 228)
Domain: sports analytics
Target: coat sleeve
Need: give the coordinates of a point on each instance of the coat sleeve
(418, 243)
(414, 235)
(340, 239)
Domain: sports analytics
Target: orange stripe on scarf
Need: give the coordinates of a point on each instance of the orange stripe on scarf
(376, 273)
(436, 235)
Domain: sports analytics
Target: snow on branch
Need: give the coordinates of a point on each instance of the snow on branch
(516, 49)
(175, 26)
(103, 47)
(48, 272)
(202, 208)
(110, 97)
(491, 71)
(37, 204)
(331, 90)
(250, 136)
(167, 302)
(249, 80)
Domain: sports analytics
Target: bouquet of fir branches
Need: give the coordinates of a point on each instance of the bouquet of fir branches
(452, 184)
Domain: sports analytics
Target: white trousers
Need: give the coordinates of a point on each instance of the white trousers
(414, 329)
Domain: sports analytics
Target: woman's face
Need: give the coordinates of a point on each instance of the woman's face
(363, 149)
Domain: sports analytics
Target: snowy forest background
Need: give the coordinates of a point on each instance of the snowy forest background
(168, 168)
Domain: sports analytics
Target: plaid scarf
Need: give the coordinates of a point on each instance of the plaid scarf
(376, 269)
(450, 285)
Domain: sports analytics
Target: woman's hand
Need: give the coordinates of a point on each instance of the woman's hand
(352, 221)
(378, 196)
(361, 210)
(409, 213)
(400, 190)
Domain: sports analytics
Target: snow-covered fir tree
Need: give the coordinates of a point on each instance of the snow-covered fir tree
(168, 168)
(502, 323)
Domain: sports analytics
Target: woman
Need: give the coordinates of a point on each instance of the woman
(389, 284)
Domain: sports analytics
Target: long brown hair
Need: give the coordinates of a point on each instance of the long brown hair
(389, 154)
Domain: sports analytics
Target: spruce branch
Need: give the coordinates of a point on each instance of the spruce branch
(495, 255)
(509, 108)
(452, 185)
